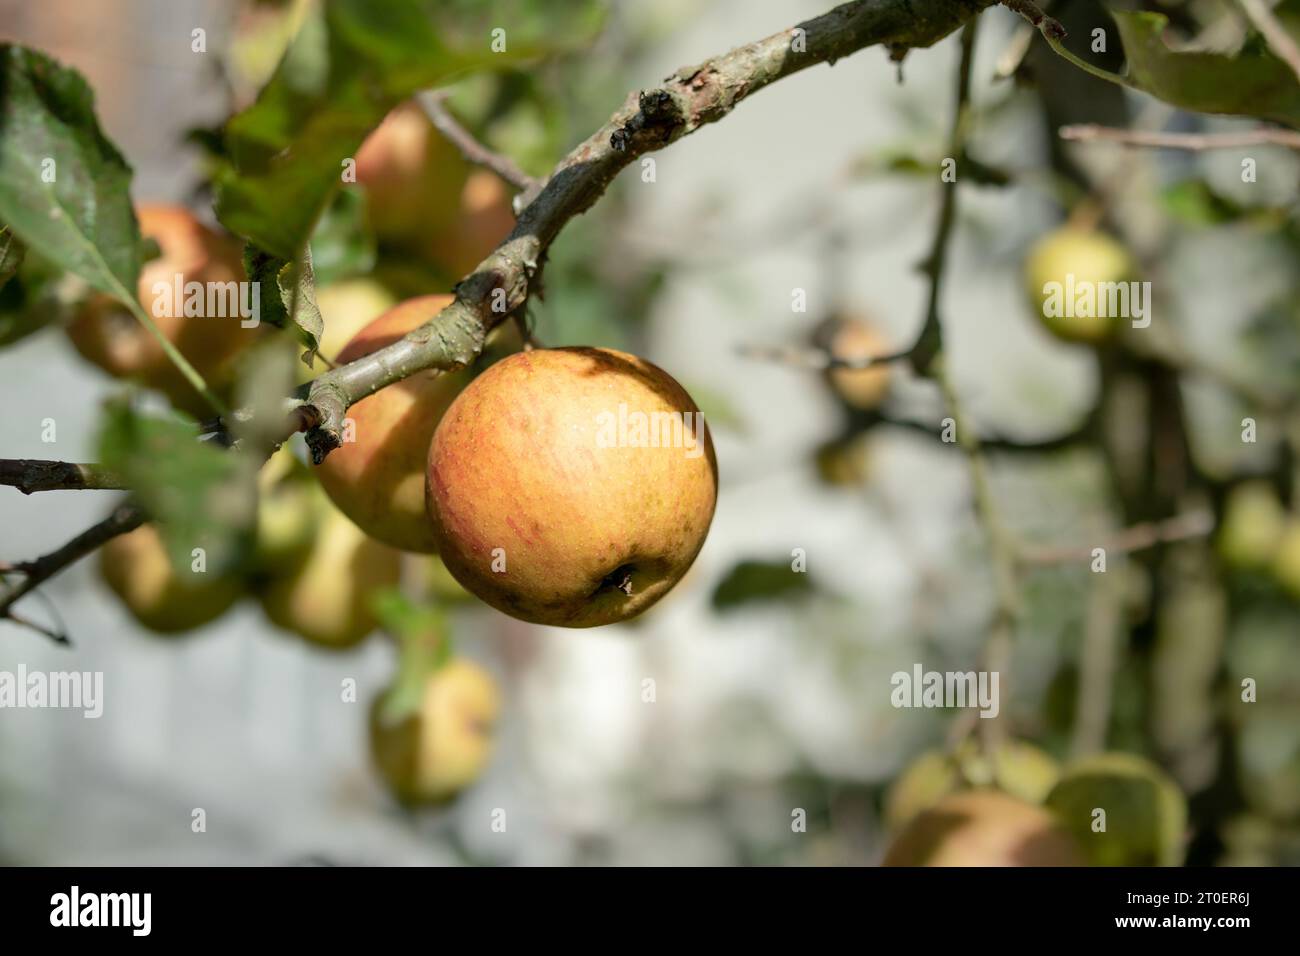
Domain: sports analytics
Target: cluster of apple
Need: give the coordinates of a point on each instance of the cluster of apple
(492, 473)
(1015, 805)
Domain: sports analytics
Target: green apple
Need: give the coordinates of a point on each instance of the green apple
(1063, 263)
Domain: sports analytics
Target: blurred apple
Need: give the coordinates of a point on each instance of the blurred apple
(1252, 527)
(136, 568)
(105, 333)
(1286, 557)
(1067, 259)
(983, 828)
(413, 178)
(325, 595)
(377, 479)
(852, 339)
(442, 744)
(483, 219)
(1017, 768)
(1145, 812)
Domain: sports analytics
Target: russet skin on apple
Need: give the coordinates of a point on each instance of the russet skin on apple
(110, 337)
(378, 479)
(590, 535)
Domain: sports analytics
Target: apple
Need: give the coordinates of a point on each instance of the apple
(1017, 768)
(1146, 813)
(1086, 255)
(443, 742)
(324, 596)
(549, 504)
(377, 477)
(1253, 526)
(137, 569)
(106, 334)
(412, 176)
(484, 217)
(983, 828)
(346, 307)
(851, 339)
(1286, 557)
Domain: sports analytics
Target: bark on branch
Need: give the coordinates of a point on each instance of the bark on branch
(31, 475)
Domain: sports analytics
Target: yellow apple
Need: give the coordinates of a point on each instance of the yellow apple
(1253, 525)
(1071, 258)
(1017, 768)
(325, 595)
(983, 828)
(1145, 812)
(377, 476)
(1286, 557)
(136, 568)
(346, 307)
(106, 334)
(571, 486)
(444, 743)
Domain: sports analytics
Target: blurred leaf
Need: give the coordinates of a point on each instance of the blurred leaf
(34, 297)
(82, 220)
(717, 407)
(342, 244)
(511, 113)
(12, 253)
(351, 62)
(1252, 83)
(751, 581)
(203, 496)
(288, 295)
(1193, 202)
(425, 639)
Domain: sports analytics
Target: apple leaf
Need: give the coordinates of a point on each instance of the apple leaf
(751, 581)
(424, 637)
(36, 294)
(288, 294)
(1254, 82)
(64, 188)
(350, 63)
(12, 253)
(342, 244)
(202, 495)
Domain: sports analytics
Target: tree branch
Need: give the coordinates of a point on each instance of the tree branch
(435, 107)
(689, 99)
(126, 517)
(1196, 142)
(1184, 527)
(31, 475)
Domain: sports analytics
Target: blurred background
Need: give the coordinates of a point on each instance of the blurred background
(771, 691)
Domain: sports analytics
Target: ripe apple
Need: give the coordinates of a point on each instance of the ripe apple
(1017, 768)
(555, 491)
(851, 338)
(1146, 813)
(483, 218)
(136, 568)
(1253, 526)
(377, 479)
(983, 828)
(325, 595)
(106, 334)
(412, 176)
(442, 745)
(1089, 257)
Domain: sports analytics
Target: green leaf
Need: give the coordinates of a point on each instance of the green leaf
(12, 253)
(1252, 83)
(342, 245)
(202, 495)
(37, 294)
(351, 63)
(751, 581)
(425, 640)
(717, 407)
(288, 296)
(64, 188)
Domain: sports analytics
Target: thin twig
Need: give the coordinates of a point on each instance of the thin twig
(32, 475)
(1275, 35)
(1184, 527)
(818, 360)
(1196, 142)
(125, 517)
(435, 107)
